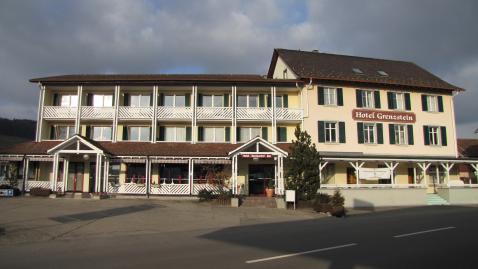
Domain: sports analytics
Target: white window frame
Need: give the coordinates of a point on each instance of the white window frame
(367, 136)
(214, 138)
(434, 130)
(139, 133)
(102, 99)
(399, 103)
(72, 100)
(432, 103)
(281, 97)
(102, 128)
(174, 99)
(175, 131)
(68, 129)
(250, 133)
(328, 130)
(139, 95)
(400, 129)
(213, 103)
(330, 96)
(366, 102)
(248, 103)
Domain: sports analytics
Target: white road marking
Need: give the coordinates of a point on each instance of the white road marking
(422, 232)
(300, 253)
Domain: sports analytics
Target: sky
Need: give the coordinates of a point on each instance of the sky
(52, 37)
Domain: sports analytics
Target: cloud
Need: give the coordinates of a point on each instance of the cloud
(46, 37)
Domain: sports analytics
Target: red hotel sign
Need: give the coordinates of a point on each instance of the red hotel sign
(379, 115)
(258, 156)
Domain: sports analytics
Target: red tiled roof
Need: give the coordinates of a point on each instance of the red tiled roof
(139, 148)
(468, 148)
(334, 67)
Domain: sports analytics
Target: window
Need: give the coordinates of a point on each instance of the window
(101, 133)
(139, 133)
(247, 100)
(62, 132)
(113, 173)
(434, 135)
(369, 133)
(213, 100)
(279, 101)
(175, 134)
(357, 71)
(367, 99)
(400, 134)
(382, 73)
(281, 134)
(214, 134)
(140, 100)
(102, 100)
(136, 173)
(432, 103)
(68, 101)
(173, 173)
(330, 96)
(168, 100)
(330, 132)
(398, 101)
(247, 133)
(174, 100)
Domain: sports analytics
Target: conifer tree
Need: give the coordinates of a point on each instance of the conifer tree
(302, 166)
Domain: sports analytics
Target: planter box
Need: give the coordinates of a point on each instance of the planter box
(234, 202)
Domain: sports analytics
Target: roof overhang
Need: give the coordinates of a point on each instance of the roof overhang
(74, 145)
(258, 141)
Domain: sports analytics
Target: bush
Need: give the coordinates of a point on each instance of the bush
(205, 195)
(334, 204)
(337, 199)
(338, 211)
(40, 192)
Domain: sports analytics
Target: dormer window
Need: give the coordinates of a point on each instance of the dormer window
(382, 73)
(357, 71)
(284, 73)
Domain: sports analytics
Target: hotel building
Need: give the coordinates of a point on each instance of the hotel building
(385, 131)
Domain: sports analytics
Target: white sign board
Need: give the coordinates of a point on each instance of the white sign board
(6, 192)
(290, 196)
(374, 173)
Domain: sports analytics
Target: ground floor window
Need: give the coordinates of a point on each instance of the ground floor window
(114, 172)
(209, 173)
(136, 173)
(173, 173)
(62, 132)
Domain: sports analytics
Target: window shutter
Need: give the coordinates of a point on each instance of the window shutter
(88, 132)
(200, 133)
(126, 99)
(161, 133)
(199, 101)
(238, 134)
(125, 133)
(188, 133)
(391, 105)
(424, 103)
(55, 99)
(227, 134)
(261, 100)
(321, 129)
(161, 99)
(187, 99)
(264, 133)
(410, 134)
(358, 98)
(376, 95)
(150, 133)
(342, 132)
(320, 95)
(269, 101)
(285, 100)
(408, 103)
(89, 99)
(360, 132)
(151, 99)
(52, 132)
(443, 135)
(284, 134)
(426, 135)
(226, 100)
(340, 97)
(440, 103)
(380, 133)
(391, 133)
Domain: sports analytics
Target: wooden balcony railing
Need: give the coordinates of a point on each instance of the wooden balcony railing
(170, 112)
(214, 113)
(92, 112)
(254, 113)
(128, 112)
(59, 112)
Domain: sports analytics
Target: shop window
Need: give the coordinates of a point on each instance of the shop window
(136, 173)
(173, 173)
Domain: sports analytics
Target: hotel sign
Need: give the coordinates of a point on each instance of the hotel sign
(256, 156)
(387, 116)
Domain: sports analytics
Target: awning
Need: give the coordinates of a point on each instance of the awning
(213, 161)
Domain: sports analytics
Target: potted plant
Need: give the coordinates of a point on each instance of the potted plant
(270, 189)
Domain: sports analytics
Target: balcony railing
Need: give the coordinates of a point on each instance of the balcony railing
(91, 112)
(170, 112)
(128, 112)
(254, 113)
(214, 113)
(59, 112)
(288, 113)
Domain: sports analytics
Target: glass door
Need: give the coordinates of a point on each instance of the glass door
(75, 177)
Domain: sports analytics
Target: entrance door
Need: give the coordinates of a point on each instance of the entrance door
(92, 179)
(259, 177)
(75, 177)
(351, 176)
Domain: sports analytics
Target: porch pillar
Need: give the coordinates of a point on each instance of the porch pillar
(447, 167)
(55, 172)
(234, 174)
(357, 166)
(106, 175)
(322, 165)
(392, 166)
(475, 167)
(65, 174)
(147, 167)
(26, 163)
(191, 176)
(424, 167)
(97, 171)
(281, 175)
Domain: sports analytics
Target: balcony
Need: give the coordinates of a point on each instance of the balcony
(135, 113)
(288, 113)
(59, 112)
(174, 113)
(214, 113)
(254, 113)
(91, 112)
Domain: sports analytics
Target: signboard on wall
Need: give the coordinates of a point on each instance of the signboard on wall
(374, 173)
(256, 156)
(383, 116)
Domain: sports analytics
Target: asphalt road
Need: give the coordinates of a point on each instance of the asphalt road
(426, 237)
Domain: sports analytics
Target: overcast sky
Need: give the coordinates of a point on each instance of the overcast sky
(42, 37)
